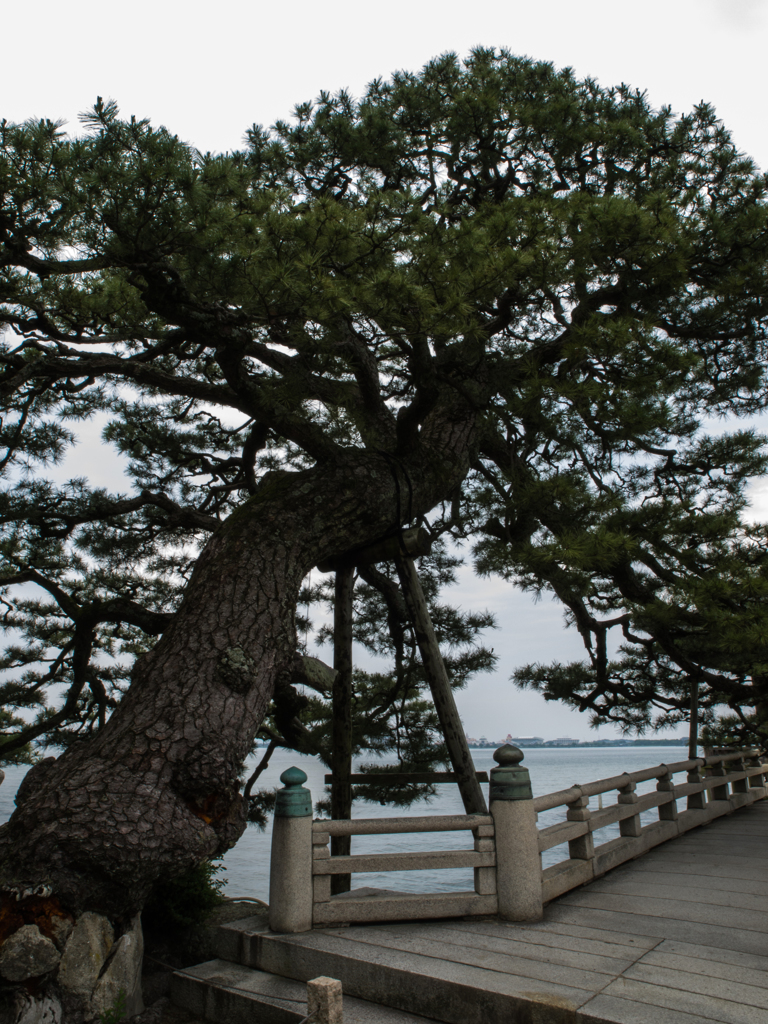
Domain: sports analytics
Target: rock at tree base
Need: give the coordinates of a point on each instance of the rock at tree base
(44, 1010)
(27, 954)
(94, 974)
(85, 954)
(122, 973)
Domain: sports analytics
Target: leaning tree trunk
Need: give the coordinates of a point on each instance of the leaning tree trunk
(158, 788)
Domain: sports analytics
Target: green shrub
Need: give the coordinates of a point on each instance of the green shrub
(185, 900)
(116, 1011)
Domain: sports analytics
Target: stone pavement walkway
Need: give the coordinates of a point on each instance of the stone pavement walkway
(679, 936)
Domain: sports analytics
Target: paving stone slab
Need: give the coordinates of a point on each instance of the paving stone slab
(715, 881)
(558, 925)
(661, 957)
(552, 936)
(744, 828)
(525, 968)
(728, 847)
(688, 891)
(724, 835)
(686, 931)
(715, 954)
(654, 995)
(701, 864)
(719, 988)
(625, 1011)
(675, 909)
(563, 950)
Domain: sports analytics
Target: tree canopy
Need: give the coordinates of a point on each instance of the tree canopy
(489, 296)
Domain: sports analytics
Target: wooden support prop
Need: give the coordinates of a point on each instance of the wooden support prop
(341, 728)
(414, 542)
(693, 726)
(442, 694)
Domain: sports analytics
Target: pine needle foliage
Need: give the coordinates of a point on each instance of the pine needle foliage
(586, 272)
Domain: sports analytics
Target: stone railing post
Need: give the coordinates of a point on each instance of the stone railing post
(629, 827)
(718, 771)
(696, 801)
(666, 784)
(739, 785)
(518, 862)
(290, 873)
(583, 847)
(756, 781)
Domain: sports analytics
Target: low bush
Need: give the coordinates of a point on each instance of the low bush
(185, 900)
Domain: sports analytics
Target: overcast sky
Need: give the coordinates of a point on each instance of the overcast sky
(209, 70)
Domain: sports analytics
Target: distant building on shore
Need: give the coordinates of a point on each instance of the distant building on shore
(569, 741)
(525, 741)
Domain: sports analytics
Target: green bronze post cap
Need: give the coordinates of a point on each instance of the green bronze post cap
(293, 777)
(510, 781)
(294, 801)
(508, 755)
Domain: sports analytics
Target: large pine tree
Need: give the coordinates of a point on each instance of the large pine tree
(299, 348)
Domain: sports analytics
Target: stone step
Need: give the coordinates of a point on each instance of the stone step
(431, 983)
(227, 993)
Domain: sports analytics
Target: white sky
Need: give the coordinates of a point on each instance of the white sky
(208, 71)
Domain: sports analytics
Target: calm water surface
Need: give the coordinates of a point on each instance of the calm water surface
(247, 864)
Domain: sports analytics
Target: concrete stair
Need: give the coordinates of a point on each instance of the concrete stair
(228, 993)
(403, 971)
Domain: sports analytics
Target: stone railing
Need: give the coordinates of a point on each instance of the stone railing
(507, 845)
(706, 790)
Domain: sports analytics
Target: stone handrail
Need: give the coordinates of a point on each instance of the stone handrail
(396, 907)
(383, 826)
(707, 797)
(506, 854)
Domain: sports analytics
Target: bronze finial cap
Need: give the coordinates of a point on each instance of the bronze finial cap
(508, 755)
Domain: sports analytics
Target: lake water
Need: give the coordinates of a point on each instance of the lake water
(247, 864)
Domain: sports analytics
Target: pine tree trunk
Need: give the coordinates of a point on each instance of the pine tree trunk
(158, 788)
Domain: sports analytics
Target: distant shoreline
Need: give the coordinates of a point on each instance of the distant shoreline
(586, 744)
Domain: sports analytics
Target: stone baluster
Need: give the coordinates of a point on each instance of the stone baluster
(696, 801)
(629, 827)
(666, 784)
(583, 847)
(518, 862)
(321, 884)
(739, 785)
(485, 842)
(757, 781)
(290, 875)
(718, 771)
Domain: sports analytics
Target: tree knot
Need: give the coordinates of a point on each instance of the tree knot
(237, 670)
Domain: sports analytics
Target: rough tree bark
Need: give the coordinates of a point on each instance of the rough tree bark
(158, 788)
